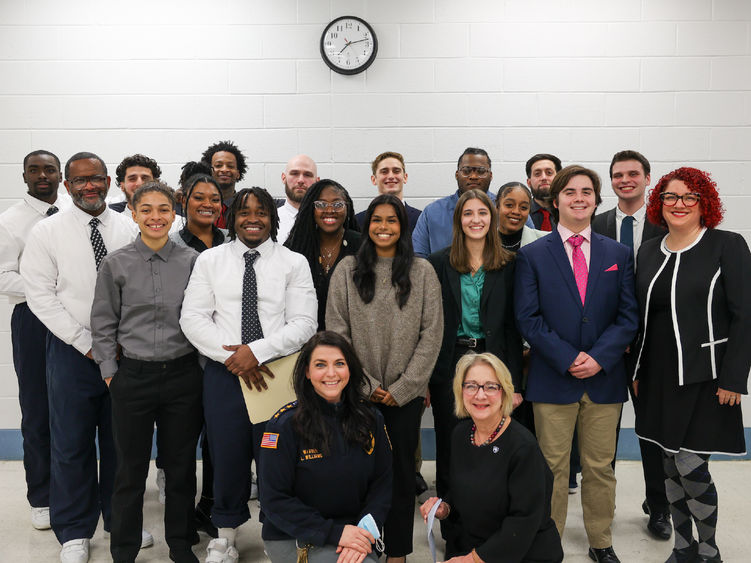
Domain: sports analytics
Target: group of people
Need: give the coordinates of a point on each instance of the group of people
(520, 317)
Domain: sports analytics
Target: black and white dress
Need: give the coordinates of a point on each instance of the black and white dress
(696, 312)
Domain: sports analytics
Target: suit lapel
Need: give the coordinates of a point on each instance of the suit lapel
(560, 259)
(611, 226)
(455, 285)
(491, 279)
(595, 265)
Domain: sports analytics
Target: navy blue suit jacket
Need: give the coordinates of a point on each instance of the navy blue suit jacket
(551, 317)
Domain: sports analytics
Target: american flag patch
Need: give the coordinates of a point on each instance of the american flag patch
(269, 440)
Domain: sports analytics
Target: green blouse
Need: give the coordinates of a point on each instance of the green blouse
(471, 291)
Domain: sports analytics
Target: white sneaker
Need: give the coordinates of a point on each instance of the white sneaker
(75, 551)
(147, 540)
(40, 517)
(219, 551)
(160, 483)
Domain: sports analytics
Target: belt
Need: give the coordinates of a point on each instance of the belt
(471, 342)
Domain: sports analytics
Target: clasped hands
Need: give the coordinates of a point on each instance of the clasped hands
(354, 544)
(383, 397)
(244, 364)
(584, 366)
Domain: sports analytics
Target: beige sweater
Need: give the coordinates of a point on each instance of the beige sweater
(397, 347)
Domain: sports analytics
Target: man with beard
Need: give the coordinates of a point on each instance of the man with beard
(228, 167)
(59, 268)
(434, 228)
(41, 173)
(541, 169)
(300, 174)
(132, 172)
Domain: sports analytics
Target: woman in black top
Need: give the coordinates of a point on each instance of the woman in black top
(325, 462)
(203, 204)
(325, 231)
(500, 485)
(693, 353)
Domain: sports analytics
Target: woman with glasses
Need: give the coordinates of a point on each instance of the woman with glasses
(325, 231)
(477, 276)
(500, 485)
(387, 303)
(693, 353)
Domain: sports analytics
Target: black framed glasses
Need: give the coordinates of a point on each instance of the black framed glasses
(324, 205)
(471, 388)
(480, 171)
(689, 200)
(96, 181)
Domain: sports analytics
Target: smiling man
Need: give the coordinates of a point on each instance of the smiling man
(575, 305)
(248, 301)
(131, 173)
(41, 174)
(301, 173)
(389, 176)
(434, 227)
(59, 268)
(228, 167)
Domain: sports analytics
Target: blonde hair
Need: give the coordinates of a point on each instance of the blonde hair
(502, 374)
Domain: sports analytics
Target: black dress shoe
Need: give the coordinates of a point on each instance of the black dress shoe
(420, 485)
(604, 555)
(183, 556)
(684, 555)
(204, 524)
(703, 558)
(659, 524)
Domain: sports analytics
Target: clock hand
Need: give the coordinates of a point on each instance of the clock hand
(347, 44)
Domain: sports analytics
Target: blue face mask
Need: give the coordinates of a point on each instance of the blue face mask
(368, 523)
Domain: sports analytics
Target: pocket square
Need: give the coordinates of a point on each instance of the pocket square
(613, 268)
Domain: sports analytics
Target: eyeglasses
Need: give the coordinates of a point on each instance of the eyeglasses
(689, 199)
(81, 181)
(467, 171)
(472, 388)
(324, 205)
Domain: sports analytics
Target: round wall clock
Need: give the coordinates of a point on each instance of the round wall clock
(348, 45)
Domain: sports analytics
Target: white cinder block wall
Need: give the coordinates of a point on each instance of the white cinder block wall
(582, 79)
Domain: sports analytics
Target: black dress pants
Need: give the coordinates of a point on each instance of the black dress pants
(168, 394)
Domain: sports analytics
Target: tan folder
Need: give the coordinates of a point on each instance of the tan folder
(262, 405)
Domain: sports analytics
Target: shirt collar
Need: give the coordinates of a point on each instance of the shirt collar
(567, 233)
(239, 248)
(85, 218)
(289, 207)
(638, 216)
(38, 205)
(147, 253)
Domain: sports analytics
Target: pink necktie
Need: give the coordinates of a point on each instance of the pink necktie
(580, 265)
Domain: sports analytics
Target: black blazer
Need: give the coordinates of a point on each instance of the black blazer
(604, 224)
(496, 316)
(712, 307)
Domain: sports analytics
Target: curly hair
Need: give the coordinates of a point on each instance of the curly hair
(265, 201)
(137, 160)
(696, 181)
(303, 237)
(226, 146)
(356, 417)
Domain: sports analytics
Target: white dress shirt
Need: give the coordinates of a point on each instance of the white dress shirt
(585, 247)
(59, 271)
(15, 224)
(287, 304)
(287, 215)
(639, 217)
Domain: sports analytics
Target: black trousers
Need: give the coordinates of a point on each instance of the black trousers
(652, 467)
(168, 394)
(29, 338)
(403, 426)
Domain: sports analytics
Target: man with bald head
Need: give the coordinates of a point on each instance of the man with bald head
(301, 173)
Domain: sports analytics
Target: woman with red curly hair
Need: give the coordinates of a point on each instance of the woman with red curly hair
(693, 356)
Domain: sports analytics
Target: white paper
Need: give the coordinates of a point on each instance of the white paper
(431, 519)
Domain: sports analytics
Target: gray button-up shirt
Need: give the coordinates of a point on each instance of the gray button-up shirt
(137, 302)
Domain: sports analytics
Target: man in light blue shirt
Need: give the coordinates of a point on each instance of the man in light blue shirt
(434, 227)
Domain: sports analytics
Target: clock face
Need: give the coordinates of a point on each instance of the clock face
(348, 45)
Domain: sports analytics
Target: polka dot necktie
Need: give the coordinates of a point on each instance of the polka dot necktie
(580, 265)
(250, 324)
(100, 251)
(52, 210)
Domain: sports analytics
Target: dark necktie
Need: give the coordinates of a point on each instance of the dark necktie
(546, 225)
(100, 251)
(250, 324)
(627, 231)
(52, 210)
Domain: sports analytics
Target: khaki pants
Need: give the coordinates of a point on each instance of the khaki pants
(596, 425)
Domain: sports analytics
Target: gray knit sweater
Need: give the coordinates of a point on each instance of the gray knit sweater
(397, 347)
